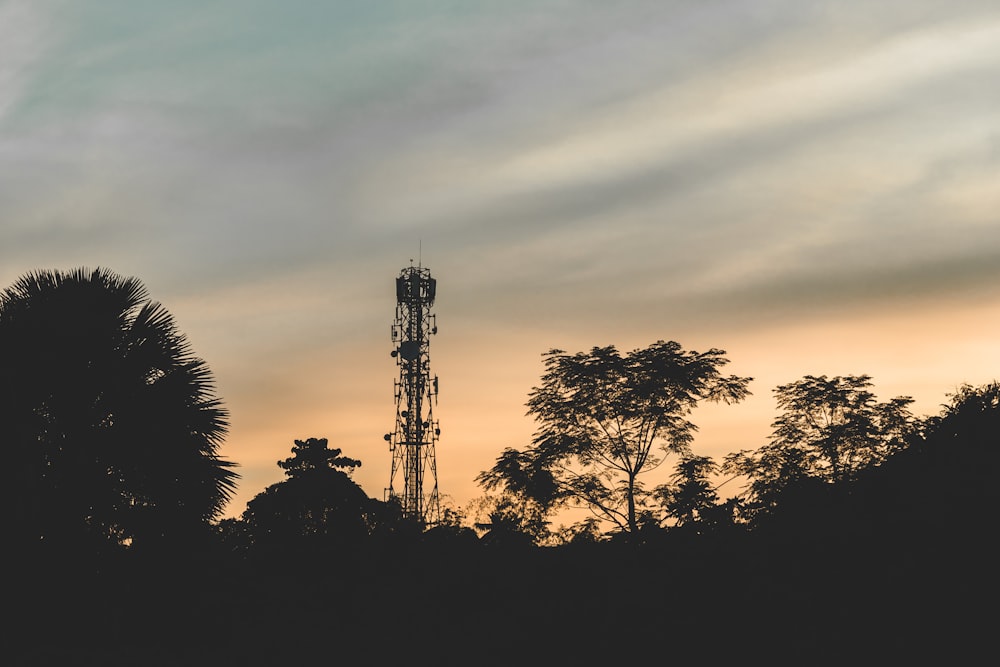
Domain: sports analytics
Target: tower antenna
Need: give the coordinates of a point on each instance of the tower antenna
(413, 441)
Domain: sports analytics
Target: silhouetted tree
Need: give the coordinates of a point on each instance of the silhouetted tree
(108, 423)
(318, 503)
(587, 531)
(829, 430)
(690, 496)
(947, 476)
(605, 420)
(507, 520)
(233, 535)
(971, 419)
(449, 530)
(313, 456)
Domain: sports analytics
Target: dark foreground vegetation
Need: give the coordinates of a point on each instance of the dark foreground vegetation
(817, 596)
(861, 534)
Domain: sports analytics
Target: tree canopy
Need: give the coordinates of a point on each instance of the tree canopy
(607, 418)
(690, 496)
(109, 423)
(318, 503)
(829, 429)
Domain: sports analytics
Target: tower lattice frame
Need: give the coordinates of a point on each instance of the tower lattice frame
(413, 441)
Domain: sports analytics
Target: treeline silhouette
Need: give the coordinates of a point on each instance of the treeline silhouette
(861, 533)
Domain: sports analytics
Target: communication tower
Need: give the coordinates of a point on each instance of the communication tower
(412, 443)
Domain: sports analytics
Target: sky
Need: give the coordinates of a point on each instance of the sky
(813, 187)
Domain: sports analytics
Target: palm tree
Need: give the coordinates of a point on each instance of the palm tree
(108, 422)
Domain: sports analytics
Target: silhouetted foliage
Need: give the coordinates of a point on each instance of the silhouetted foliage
(946, 478)
(829, 430)
(318, 503)
(605, 420)
(690, 497)
(885, 553)
(233, 535)
(509, 520)
(970, 421)
(587, 531)
(108, 422)
(450, 529)
(906, 579)
(313, 456)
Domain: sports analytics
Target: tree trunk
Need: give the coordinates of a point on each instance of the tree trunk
(632, 525)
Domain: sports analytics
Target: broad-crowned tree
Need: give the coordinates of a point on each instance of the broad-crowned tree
(317, 504)
(829, 430)
(604, 420)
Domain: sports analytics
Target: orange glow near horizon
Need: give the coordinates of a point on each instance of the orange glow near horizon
(483, 394)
